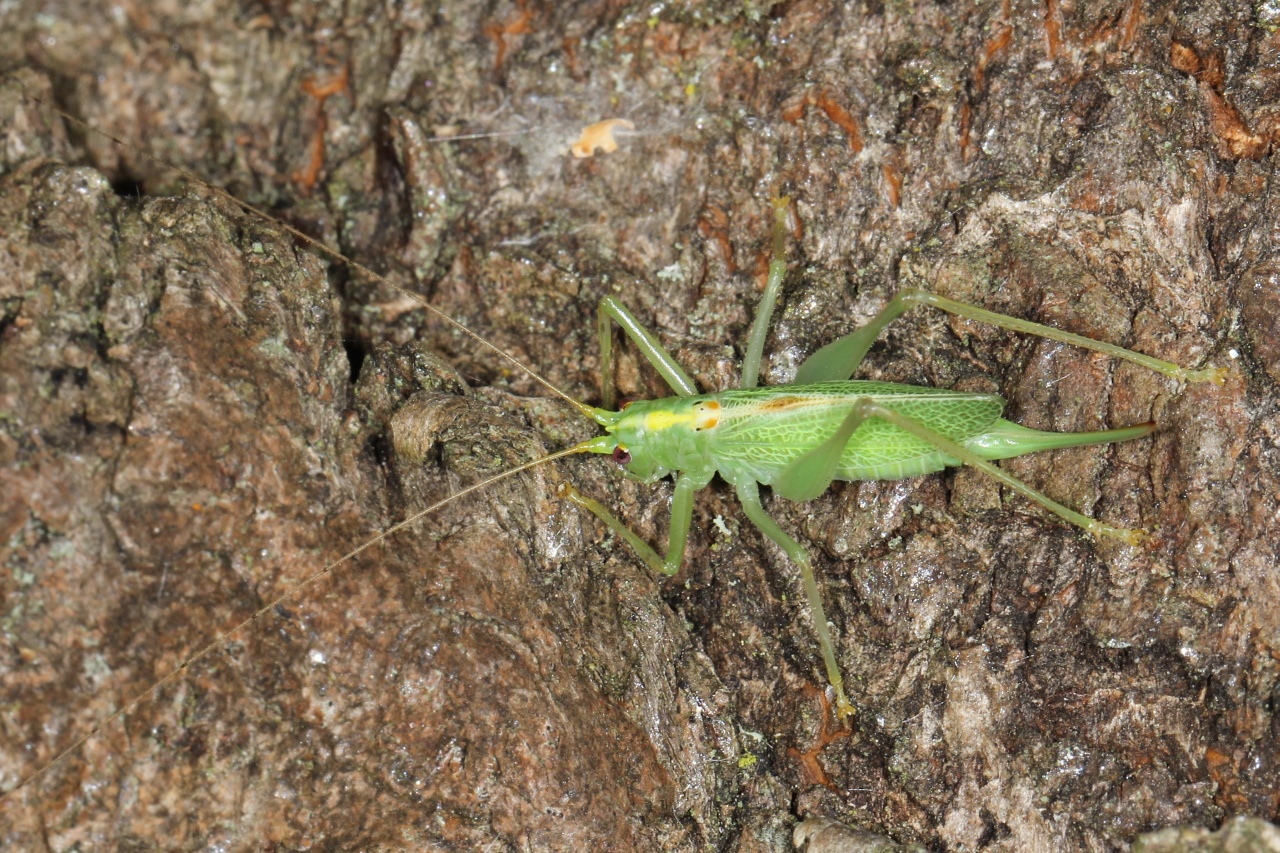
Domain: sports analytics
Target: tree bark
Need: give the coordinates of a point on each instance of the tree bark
(198, 412)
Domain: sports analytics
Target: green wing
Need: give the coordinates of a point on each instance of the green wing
(763, 431)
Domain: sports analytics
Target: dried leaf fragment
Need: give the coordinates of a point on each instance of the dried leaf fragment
(599, 135)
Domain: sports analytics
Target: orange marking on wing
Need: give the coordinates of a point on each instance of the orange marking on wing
(570, 47)
(782, 404)
(794, 220)
(966, 130)
(795, 111)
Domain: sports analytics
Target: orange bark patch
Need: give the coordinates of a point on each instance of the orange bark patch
(306, 178)
(842, 119)
(810, 767)
(834, 111)
(517, 24)
(1129, 24)
(1205, 67)
(892, 183)
(1052, 29)
(1235, 140)
(713, 224)
(1224, 771)
(993, 48)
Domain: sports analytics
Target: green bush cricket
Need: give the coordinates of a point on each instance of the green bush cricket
(826, 426)
(796, 438)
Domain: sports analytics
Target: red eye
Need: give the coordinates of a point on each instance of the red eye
(621, 456)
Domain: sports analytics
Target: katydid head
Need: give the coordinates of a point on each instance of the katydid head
(625, 442)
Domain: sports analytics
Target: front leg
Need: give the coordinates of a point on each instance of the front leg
(681, 518)
(653, 351)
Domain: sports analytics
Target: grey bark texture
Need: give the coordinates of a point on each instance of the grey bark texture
(197, 412)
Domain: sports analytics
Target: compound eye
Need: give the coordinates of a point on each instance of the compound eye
(621, 456)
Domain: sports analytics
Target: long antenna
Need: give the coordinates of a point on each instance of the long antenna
(319, 246)
(218, 641)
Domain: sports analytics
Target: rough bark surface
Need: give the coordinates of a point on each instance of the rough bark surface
(196, 413)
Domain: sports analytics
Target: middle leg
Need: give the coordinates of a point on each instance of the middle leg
(749, 495)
